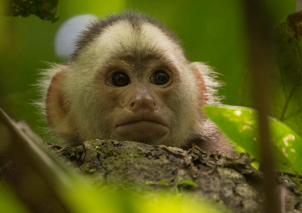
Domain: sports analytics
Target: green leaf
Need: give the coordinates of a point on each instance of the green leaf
(287, 145)
(240, 125)
(285, 83)
(163, 182)
(188, 182)
(9, 202)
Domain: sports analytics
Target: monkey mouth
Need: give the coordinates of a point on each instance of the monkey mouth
(142, 128)
(152, 120)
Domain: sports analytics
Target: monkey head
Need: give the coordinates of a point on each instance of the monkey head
(129, 79)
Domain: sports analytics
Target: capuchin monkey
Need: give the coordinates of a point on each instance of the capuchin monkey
(129, 80)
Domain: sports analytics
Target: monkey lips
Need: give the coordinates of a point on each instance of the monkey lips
(141, 128)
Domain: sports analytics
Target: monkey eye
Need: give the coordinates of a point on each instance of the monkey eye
(119, 79)
(159, 77)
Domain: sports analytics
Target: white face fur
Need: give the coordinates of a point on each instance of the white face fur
(129, 83)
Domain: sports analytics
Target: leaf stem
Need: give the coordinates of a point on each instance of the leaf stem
(288, 100)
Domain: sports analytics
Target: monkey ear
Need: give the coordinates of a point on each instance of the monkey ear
(199, 70)
(57, 105)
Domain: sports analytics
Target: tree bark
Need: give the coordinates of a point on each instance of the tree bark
(136, 166)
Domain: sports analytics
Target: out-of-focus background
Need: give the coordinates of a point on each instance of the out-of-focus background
(210, 31)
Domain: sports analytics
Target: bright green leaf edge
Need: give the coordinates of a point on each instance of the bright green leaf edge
(240, 125)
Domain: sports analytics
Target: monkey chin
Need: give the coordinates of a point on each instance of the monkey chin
(141, 131)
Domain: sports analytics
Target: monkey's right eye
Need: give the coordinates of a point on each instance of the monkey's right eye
(119, 79)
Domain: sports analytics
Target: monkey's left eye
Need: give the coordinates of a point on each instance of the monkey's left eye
(159, 77)
(119, 79)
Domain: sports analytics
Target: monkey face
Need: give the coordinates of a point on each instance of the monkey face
(137, 91)
(130, 82)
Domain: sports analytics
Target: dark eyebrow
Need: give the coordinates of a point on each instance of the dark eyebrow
(144, 56)
(131, 57)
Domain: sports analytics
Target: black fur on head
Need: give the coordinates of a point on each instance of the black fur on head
(136, 19)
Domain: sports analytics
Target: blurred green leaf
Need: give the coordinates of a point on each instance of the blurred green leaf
(82, 199)
(188, 182)
(9, 203)
(163, 182)
(240, 125)
(285, 81)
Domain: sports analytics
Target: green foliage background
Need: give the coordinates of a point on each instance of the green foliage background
(211, 31)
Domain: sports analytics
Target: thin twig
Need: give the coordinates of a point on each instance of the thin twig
(29, 154)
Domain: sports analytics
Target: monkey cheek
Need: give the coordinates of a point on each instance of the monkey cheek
(143, 131)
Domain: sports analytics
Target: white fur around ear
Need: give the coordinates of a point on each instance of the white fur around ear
(211, 85)
(57, 106)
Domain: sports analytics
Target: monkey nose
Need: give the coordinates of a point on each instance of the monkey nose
(142, 103)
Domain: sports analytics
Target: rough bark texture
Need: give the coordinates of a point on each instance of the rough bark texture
(131, 165)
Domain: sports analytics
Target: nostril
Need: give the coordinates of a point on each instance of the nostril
(142, 100)
(144, 103)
